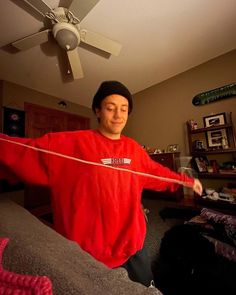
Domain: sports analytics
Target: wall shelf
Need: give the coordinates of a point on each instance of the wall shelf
(205, 129)
(217, 151)
(212, 152)
(217, 175)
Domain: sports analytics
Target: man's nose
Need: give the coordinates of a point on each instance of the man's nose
(117, 113)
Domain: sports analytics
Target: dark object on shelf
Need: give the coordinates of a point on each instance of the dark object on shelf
(198, 145)
(201, 163)
(228, 165)
(214, 165)
(215, 95)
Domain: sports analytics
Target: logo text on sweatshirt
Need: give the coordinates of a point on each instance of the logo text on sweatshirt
(116, 161)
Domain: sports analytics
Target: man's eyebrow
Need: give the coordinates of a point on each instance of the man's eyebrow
(113, 103)
(109, 102)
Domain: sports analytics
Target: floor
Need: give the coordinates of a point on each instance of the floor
(157, 226)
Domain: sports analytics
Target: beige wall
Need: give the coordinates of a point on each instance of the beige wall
(160, 112)
(14, 96)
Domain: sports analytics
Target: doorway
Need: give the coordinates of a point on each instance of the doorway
(39, 121)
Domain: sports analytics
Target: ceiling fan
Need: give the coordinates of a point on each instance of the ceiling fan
(65, 28)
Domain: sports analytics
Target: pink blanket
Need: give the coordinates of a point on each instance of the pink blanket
(13, 283)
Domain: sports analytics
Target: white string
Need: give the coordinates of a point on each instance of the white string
(97, 164)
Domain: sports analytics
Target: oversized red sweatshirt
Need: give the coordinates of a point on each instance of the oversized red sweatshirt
(95, 205)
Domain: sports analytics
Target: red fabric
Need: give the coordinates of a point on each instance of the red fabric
(97, 207)
(12, 283)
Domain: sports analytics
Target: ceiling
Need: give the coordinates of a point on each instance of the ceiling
(160, 38)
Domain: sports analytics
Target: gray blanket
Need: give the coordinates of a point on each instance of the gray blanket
(36, 249)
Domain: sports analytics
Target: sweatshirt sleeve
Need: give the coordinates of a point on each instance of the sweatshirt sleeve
(174, 179)
(22, 160)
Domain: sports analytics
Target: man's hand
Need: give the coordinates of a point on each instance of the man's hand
(197, 187)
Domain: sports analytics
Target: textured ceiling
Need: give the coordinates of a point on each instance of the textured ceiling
(160, 38)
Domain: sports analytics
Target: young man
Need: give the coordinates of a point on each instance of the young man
(96, 179)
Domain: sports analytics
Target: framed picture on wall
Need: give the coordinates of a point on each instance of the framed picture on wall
(215, 120)
(13, 122)
(214, 138)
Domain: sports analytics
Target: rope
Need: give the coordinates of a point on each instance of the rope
(171, 180)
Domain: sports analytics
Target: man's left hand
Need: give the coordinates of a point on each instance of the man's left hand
(197, 187)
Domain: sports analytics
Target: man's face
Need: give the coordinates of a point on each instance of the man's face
(113, 115)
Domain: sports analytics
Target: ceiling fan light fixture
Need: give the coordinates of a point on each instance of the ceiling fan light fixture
(67, 35)
(65, 28)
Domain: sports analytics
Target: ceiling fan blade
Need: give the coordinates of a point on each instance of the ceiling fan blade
(32, 40)
(82, 7)
(39, 5)
(75, 64)
(100, 42)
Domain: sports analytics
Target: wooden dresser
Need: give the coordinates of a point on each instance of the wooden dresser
(169, 160)
(166, 159)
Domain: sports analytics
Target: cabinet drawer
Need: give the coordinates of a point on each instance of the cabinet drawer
(167, 159)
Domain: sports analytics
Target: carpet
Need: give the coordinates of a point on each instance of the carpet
(162, 216)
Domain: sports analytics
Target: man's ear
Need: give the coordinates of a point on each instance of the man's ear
(97, 112)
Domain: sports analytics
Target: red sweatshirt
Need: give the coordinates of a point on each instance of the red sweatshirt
(98, 207)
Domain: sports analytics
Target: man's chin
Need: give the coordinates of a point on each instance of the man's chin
(116, 130)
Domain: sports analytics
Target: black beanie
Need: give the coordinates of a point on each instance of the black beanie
(108, 88)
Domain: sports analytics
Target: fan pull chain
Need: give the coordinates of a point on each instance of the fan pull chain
(51, 15)
(58, 15)
(72, 18)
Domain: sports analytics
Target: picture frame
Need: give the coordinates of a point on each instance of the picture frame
(172, 148)
(198, 145)
(201, 163)
(214, 138)
(214, 120)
